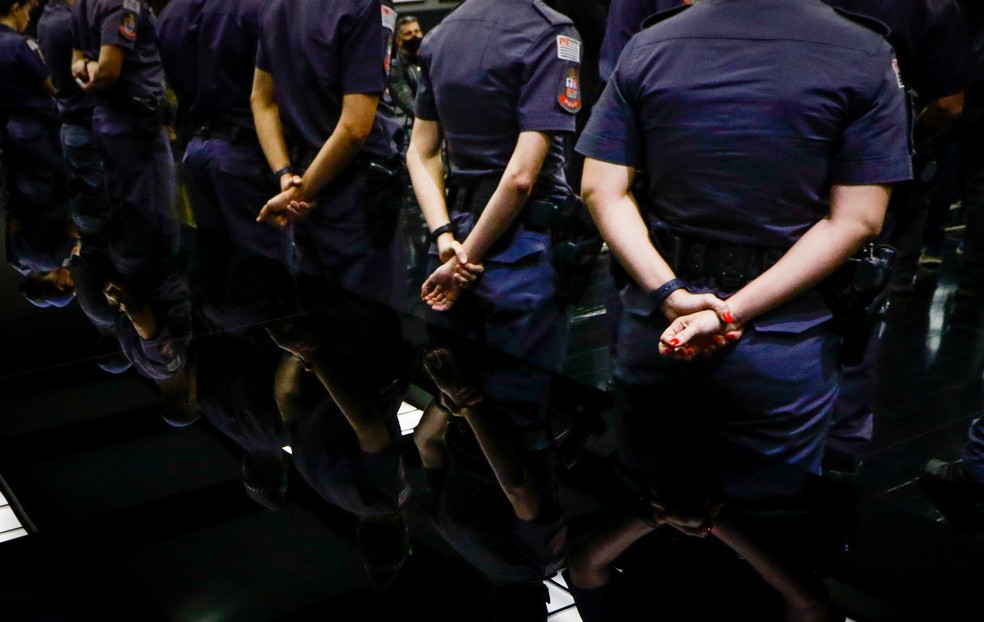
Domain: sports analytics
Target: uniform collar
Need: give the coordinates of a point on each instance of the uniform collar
(6, 28)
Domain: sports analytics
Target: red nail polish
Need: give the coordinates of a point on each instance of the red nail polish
(691, 352)
(731, 336)
(728, 317)
(673, 342)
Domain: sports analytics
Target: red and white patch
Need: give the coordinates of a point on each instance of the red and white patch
(570, 90)
(568, 49)
(898, 73)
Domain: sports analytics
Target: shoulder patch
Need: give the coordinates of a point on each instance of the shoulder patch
(868, 22)
(664, 15)
(568, 49)
(128, 19)
(569, 97)
(31, 43)
(389, 18)
(554, 18)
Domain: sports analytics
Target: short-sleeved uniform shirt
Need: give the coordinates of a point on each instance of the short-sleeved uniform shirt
(318, 52)
(208, 48)
(55, 38)
(22, 73)
(493, 69)
(743, 113)
(931, 39)
(625, 18)
(131, 26)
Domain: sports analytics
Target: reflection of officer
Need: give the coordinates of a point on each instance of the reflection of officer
(89, 206)
(38, 239)
(320, 71)
(766, 129)
(506, 165)
(116, 57)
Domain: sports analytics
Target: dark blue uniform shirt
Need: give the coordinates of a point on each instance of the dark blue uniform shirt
(22, 74)
(178, 31)
(208, 48)
(742, 130)
(931, 39)
(493, 69)
(131, 26)
(318, 52)
(625, 18)
(55, 38)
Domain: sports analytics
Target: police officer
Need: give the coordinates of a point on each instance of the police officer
(39, 236)
(317, 114)
(241, 262)
(116, 57)
(90, 209)
(769, 131)
(506, 167)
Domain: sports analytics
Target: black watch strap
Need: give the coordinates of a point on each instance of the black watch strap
(287, 170)
(663, 291)
(436, 233)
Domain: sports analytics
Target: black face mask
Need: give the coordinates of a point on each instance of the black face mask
(412, 45)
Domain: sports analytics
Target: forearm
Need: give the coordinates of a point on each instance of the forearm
(814, 257)
(511, 195)
(506, 463)
(428, 436)
(427, 175)
(338, 152)
(270, 131)
(625, 232)
(590, 563)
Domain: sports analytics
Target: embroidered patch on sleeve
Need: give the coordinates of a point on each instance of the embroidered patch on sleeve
(898, 73)
(128, 19)
(568, 49)
(570, 90)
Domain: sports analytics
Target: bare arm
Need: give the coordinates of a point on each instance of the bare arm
(428, 436)
(856, 216)
(266, 116)
(607, 191)
(105, 71)
(351, 132)
(509, 198)
(590, 562)
(427, 172)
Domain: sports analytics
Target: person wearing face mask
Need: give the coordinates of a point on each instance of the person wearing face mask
(405, 71)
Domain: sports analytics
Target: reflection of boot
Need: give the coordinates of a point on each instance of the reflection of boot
(384, 545)
(265, 478)
(958, 496)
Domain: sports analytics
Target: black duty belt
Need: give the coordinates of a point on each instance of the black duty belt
(730, 265)
(472, 195)
(228, 132)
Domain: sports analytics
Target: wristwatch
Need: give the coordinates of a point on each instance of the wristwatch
(660, 294)
(436, 233)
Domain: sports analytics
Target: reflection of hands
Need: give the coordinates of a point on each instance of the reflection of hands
(696, 524)
(143, 319)
(79, 71)
(443, 287)
(287, 207)
(698, 333)
(457, 392)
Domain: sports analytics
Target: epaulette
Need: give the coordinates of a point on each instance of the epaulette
(868, 22)
(664, 15)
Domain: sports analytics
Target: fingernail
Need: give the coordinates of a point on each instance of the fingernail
(731, 336)
(728, 317)
(691, 352)
(718, 339)
(674, 342)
